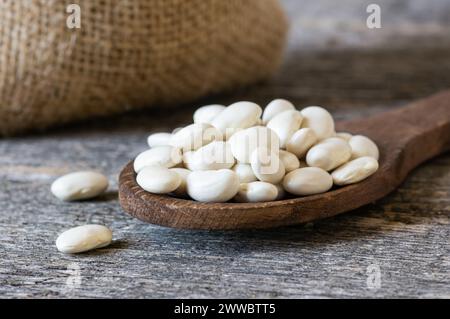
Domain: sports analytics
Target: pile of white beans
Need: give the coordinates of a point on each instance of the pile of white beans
(240, 153)
(232, 153)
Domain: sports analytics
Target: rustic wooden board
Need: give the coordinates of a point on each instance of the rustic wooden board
(405, 236)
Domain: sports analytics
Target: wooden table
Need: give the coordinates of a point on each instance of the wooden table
(397, 247)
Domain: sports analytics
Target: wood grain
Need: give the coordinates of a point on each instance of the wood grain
(405, 235)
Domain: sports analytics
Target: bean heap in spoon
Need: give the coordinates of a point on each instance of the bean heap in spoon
(240, 153)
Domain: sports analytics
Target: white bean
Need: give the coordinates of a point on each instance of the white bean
(158, 179)
(243, 143)
(213, 186)
(207, 113)
(83, 238)
(181, 191)
(267, 166)
(363, 146)
(344, 135)
(329, 154)
(285, 124)
(216, 155)
(319, 120)
(355, 171)
(284, 151)
(281, 192)
(79, 185)
(239, 115)
(166, 156)
(244, 172)
(274, 108)
(301, 141)
(159, 139)
(194, 136)
(188, 160)
(289, 160)
(307, 181)
(303, 164)
(255, 192)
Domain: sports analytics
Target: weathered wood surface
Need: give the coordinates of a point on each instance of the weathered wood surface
(405, 236)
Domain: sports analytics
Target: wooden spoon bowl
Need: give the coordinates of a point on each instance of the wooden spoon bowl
(406, 137)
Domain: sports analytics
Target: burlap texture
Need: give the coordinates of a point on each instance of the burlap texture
(128, 54)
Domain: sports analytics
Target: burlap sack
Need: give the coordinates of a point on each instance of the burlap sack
(128, 54)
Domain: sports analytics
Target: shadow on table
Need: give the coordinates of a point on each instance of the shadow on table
(361, 225)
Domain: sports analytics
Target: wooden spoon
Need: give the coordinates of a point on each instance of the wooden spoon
(405, 136)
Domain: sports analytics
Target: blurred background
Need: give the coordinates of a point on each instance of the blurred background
(333, 59)
(327, 24)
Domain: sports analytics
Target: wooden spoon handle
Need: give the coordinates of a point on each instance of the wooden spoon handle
(410, 135)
